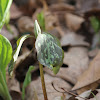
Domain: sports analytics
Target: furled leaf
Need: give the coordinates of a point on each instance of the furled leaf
(27, 80)
(16, 53)
(5, 53)
(37, 29)
(41, 20)
(49, 51)
(95, 23)
(4, 8)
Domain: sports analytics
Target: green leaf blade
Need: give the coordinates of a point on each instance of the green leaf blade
(41, 20)
(5, 52)
(95, 23)
(27, 80)
(4, 9)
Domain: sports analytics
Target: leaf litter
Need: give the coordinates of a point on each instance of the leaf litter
(66, 20)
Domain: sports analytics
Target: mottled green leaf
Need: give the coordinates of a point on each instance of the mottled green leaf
(95, 23)
(41, 20)
(37, 29)
(49, 51)
(5, 53)
(4, 9)
(27, 80)
(16, 53)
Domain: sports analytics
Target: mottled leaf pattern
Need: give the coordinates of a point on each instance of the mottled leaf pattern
(49, 51)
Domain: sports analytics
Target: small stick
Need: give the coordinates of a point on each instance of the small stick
(68, 92)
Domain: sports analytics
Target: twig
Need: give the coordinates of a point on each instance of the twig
(68, 92)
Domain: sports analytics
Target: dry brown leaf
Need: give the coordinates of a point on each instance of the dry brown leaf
(93, 52)
(84, 95)
(25, 24)
(51, 20)
(62, 7)
(14, 87)
(91, 75)
(87, 5)
(73, 22)
(51, 92)
(34, 16)
(50, 2)
(15, 12)
(92, 86)
(8, 34)
(77, 61)
(73, 39)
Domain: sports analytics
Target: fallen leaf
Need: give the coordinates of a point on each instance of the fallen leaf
(34, 16)
(93, 52)
(73, 22)
(87, 5)
(92, 86)
(51, 2)
(77, 61)
(84, 95)
(25, 24)
(73, 39)
(15, 12)
(51, 20)
(8, 34)
(51, 92)
(28, 6)
(14, 87)
(62, 7)
(97, 96)
(91, 75)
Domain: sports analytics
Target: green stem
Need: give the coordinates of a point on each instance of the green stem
(42, 81)
(94, 95)
(4, 85)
